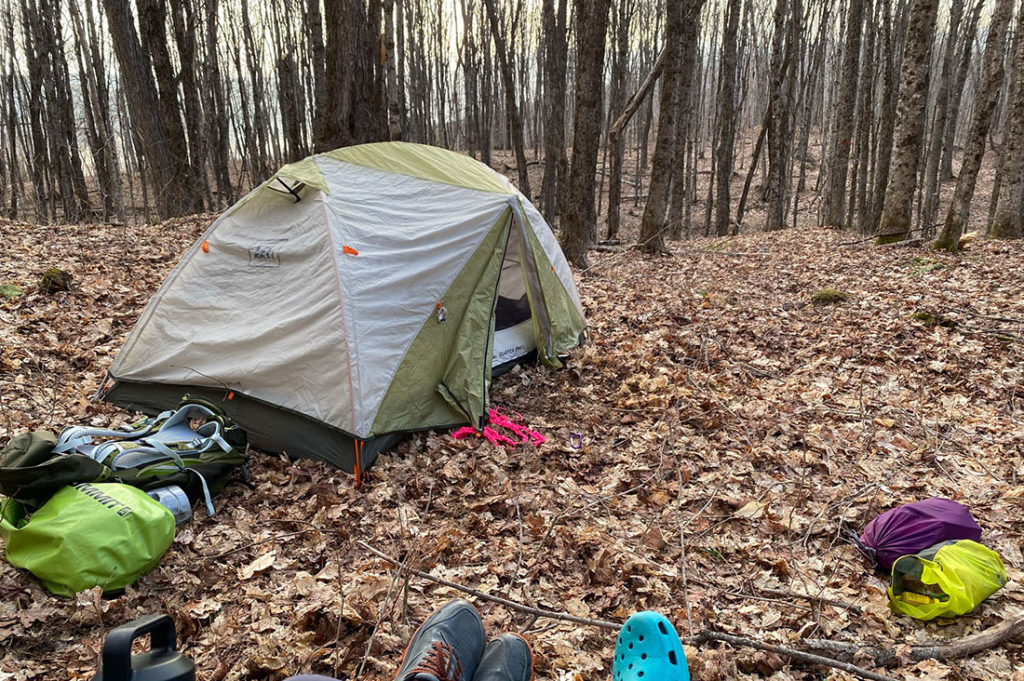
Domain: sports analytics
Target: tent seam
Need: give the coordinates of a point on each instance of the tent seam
(341, 308)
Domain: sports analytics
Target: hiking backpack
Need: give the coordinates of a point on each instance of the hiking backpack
(167, 449)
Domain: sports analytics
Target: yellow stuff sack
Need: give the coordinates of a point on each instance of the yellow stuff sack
(946, 580)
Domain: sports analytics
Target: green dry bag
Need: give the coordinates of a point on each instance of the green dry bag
(949, 579)
(105, 534)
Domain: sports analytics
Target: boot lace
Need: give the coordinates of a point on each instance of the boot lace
(440, 661)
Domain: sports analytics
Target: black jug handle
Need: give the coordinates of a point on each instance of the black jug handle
(117, 649)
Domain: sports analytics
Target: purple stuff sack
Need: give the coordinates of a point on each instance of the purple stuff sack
(914, 527)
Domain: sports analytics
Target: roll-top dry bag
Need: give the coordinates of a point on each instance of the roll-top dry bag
(86, 535)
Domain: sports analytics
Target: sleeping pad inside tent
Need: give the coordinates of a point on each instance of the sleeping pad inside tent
(356, 296)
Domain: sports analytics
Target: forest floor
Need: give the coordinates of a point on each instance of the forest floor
(730, 430)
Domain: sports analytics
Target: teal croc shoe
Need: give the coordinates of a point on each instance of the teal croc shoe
(648, 649)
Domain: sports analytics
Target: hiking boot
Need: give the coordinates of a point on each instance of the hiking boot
(446, 647)
(506, 658)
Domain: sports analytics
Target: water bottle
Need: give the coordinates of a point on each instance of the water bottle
(163, 662)
(174, 498)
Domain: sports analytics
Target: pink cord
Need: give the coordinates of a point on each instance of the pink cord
(499, 420)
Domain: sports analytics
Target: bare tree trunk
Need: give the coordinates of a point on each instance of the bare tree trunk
(577, 223)
(152, 27)
(37, 159)
(652, 224)
(887, 123)
(56, 108)
(835, 197)
(391, 56)
(988, 97)
(217, 116)
(470, 68)
(315, 33)
(510, 98)
(555, 84)
(860, 205)
(486, 96)
(144, 105)
(616, 147)
(966, 58)
(727, 117)
(96, 104)
(778, 123)
(898, 206)
(258, 133)
(291, 96)
(932, 188)
(1007, 222)
(758, 146)
(8, 118)
(352, 111)
(66, 110)
(680, 198)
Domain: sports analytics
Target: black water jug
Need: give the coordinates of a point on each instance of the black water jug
(163, 662)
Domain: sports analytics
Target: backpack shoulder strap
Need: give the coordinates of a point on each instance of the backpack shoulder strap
(74, 437)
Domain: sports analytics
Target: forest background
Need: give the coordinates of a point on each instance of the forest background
(716, 116)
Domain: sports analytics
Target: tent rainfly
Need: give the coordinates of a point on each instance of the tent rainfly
(356, 296)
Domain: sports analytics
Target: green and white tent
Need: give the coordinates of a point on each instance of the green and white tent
(355, 296)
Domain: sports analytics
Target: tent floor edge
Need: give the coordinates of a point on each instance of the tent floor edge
(270, 428)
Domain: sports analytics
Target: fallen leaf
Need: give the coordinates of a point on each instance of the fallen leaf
(259, 565)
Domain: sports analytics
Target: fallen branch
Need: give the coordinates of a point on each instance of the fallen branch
(906, 242)
(250, 545)
(969, 645)
(785, 593)
(917, 241)
(856, 241)
(1007, 320)
(809, 658)
(702, 637)
(759, 254)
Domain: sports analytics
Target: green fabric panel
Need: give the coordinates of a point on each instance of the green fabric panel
(565, 319)
(305, 171)
(425, 162)
(86, 535)
(456, 353)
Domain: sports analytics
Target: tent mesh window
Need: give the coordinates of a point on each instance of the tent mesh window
(513, 306)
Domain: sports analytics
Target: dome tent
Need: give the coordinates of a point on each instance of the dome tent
(355, 296)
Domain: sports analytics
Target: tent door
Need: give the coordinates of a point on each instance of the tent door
(540, 321)
(513, 321)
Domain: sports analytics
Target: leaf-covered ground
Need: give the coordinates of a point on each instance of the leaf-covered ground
(731, 428)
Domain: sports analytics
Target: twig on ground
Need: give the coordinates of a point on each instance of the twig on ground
(785, 593)
(1008, 320)
(738, 254)
(809, 658)
(263, 541)
(906, 242)
(856, 241)
(399, 568)
(682, 546)
(1006, 630)
(754, 597)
